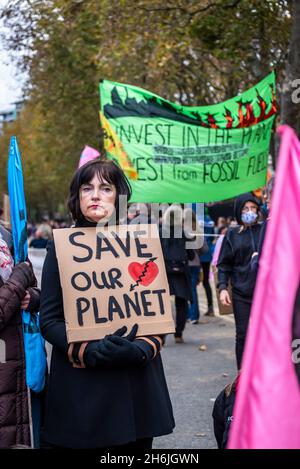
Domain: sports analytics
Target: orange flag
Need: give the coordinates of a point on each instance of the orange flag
(114, 147)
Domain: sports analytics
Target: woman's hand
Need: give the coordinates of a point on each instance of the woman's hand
(122, 350)
(225, 298)
(23, 273)
(25, 301)
(114, 349)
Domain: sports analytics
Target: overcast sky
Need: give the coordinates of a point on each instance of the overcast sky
(10, 83)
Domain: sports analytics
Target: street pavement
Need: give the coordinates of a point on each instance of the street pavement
(196, 377)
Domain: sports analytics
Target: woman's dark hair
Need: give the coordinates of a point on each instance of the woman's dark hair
(105, 169)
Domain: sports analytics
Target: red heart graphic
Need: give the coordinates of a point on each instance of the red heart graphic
(143, 274)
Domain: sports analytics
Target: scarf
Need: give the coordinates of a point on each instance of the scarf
(6, 261)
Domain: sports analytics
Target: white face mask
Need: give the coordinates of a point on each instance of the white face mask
(249, 217)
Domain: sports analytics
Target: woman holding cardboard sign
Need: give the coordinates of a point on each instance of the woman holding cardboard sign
(109, 393)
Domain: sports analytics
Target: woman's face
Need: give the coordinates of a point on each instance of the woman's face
(250, 206)
(97, 199)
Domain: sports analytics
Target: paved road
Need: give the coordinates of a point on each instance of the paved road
(196, 377)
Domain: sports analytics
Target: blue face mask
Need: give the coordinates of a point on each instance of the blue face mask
(249, 217)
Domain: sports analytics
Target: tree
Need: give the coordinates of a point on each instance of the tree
(197, 52)
(290, 110)
(43, 184)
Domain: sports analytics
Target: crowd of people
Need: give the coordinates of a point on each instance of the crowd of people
(112, 393)
(40, 233)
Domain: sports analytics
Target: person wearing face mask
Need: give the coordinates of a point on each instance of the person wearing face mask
(234, 264)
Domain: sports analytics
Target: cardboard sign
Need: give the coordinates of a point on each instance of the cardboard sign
(111, 277)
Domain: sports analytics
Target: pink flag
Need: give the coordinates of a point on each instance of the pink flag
(267, 408)
(88, 154)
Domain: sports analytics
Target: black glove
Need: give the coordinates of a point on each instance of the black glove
(122, 350)
(23, 275)
(92, 356)
(115, 350)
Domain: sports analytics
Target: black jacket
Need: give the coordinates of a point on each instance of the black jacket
(96, 408)
(234, 261)
(175, 254)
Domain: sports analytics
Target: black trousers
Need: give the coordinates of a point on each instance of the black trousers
(205, 268)
(181, 306)
(241, 311)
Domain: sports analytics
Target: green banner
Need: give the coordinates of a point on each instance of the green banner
(185, 153)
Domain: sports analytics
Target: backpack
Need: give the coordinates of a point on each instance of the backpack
(223, 413)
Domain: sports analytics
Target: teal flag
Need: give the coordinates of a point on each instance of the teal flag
(34, 344)
(17, 203)
(177, 153)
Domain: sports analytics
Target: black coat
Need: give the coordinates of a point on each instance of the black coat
(234, 261)
(174, 250)
(93, 408)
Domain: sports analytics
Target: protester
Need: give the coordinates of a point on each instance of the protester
(234, 263)
(218, 244)
(42, 236)
(195, 268)
(176, 256)
(206, 261)
(231, 222)
(140, 214)
(17, 291)
(221, 222)
(108, 393)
